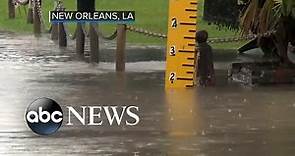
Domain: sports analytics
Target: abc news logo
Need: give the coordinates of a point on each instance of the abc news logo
(44, 116)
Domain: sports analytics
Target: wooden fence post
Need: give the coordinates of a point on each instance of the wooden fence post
(54, 31)
(37, 20)
(94, 43)
(82, 5)
(62, 36)
(11, 9)
(121, 43)
(80, 40)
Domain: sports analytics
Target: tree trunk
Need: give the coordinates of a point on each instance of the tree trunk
(281, 42)
(30, 16)
(11, 9)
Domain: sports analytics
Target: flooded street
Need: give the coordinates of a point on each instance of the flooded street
(226, 120)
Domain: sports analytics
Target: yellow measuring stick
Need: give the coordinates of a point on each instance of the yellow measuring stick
(180, 59)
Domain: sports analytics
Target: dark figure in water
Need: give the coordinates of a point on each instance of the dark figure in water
(205, 65)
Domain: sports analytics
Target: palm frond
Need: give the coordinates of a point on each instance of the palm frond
(261, 19)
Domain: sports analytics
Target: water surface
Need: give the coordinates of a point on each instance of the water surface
(226, 120)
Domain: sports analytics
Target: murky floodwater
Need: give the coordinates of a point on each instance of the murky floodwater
(226, 120)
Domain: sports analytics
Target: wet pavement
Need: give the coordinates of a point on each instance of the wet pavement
(226, 120)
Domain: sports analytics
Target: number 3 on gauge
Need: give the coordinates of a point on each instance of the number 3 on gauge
(172, 50)
(172, 77)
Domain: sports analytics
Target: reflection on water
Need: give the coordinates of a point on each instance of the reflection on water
(225, 120)
(183, 120)
(182, 112)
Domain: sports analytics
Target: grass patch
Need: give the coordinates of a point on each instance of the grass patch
(151, 15)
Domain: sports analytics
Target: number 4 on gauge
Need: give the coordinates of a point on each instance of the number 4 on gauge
(174, 23)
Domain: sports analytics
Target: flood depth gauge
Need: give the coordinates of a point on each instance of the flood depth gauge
(180, 59)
